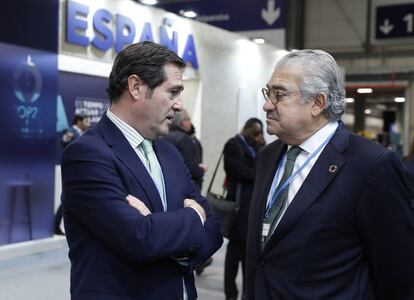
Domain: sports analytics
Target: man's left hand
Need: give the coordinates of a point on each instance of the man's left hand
(138, 204)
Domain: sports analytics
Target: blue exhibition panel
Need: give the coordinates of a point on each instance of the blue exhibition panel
(28, 93)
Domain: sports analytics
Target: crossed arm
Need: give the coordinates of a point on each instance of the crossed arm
(143, 210)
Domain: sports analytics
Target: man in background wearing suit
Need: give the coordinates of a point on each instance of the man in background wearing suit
(135, 222)
(239, 155)
(331, 216)
(80, 125)
(180, 137)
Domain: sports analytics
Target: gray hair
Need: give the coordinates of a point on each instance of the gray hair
(179, 117)
(320, 75)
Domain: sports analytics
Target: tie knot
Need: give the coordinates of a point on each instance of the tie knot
(146, 145)
(293, 153)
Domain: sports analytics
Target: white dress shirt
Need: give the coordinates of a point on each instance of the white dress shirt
(308, 148)
(135, 139)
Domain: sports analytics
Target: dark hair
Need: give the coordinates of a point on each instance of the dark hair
(145, 59)
(78, 118)
(251, 122)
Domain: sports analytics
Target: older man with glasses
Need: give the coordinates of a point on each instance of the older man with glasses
(331, 214)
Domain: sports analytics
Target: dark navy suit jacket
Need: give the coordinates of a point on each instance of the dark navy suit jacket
(239, 167)
(409, 167)
(115, 252)
(348, 233)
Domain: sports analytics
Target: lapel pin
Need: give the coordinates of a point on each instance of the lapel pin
(332, 168)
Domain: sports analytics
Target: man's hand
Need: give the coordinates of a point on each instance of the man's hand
(68, 136)
(204, 167)
(197, 207)
(138, 204)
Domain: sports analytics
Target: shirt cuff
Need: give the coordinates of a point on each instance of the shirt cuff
(201, 218)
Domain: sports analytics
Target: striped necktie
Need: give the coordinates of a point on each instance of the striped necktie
(154, 167)
(280, 202)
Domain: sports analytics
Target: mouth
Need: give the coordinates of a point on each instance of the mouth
(269, 119)
(170, 118)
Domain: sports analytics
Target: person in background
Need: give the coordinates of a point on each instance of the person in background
(180, 137)
(198, 154)
(332, 216)
(136, 224)
(80, 125)
(409, 165)
(239, 155)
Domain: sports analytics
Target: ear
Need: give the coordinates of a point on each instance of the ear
(135, 86)
(319, 104)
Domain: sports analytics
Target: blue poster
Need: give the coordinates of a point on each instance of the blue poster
(28, 91)
(89, 98)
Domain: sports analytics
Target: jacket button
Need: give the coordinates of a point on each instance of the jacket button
(260, 264)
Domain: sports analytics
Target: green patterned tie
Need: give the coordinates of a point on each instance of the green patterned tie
(154, 167)
(279, 203)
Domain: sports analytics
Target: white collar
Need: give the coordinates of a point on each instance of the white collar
(314, 141)
(133, 137)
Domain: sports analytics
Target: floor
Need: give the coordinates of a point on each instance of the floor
(44, 275)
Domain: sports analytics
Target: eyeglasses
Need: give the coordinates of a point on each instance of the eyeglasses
(275, 96)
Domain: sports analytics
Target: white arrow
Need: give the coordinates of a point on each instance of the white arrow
(271, 14)
(386, 27)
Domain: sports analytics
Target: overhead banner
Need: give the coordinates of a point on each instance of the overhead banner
(235, 15)
(105, 28)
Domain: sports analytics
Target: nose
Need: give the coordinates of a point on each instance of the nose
(178, 104)
(268, 106)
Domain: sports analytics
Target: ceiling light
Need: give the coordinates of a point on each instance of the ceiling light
(364, 91)
(350, 100)
(149, 2)
(367, 111)
(188, 13)
(399, 99)
(258, 40)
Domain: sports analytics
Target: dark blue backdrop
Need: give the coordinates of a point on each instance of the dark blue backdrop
(80, 94)
(28, 91)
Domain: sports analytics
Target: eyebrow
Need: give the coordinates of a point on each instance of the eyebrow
(277, 87)
(177, 87)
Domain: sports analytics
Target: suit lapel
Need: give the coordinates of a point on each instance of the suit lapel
(166, 164)
(315, 183)
(123, 150)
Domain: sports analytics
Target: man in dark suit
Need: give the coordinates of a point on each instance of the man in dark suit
(239, 155)
(136, 224)
(80, 125)
(409, 164)
(180, 137)
(331, 216)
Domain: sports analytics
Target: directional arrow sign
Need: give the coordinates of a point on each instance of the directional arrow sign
(271, 14)
(386, 27)
(394, 21)
(235, 15)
